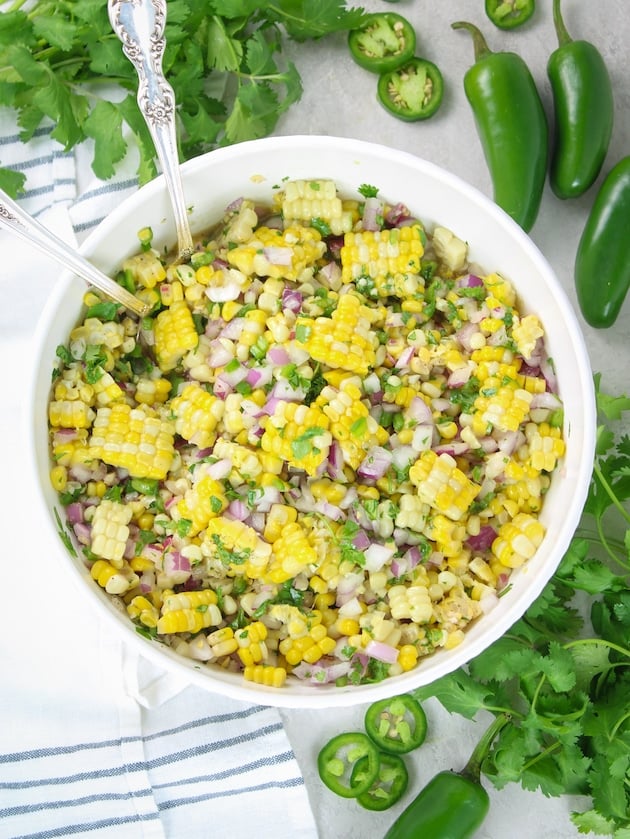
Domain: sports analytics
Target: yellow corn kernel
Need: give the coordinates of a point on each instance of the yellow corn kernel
(205, 500)
(347, 626)
(279, 515)
(326, 490)
(384, 262)
(343, 340)
(70, 414)
(442, 485)
(142, 609)
(278, 253)
(141, 564)
(151, 391)
(299, 435)
(189, 620)
(115, 580)
(59, 478)
(407, 657)
(506, 408)
(110, 530)
(175, 335)
(236, 546)
(145, 521)
(265, 674)
(134, 439)
(518, 540)
(145, 268)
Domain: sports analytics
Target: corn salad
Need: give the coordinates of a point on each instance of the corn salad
(322, 453)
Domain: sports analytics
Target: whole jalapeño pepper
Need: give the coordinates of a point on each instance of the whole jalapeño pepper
(602, 262)
(583, 110)
(512, 127)
(453, 805)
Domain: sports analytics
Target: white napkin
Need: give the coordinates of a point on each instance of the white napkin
(95, 740)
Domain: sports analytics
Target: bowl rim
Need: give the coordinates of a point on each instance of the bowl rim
(315, 696)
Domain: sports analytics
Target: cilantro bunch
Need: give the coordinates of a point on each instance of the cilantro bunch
(560, 677)
(60, 60)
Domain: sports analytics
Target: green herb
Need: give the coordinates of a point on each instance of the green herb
(293, 377)
(224, 59)
(302, 446)
(227, 556)
(368, 191)
(216, 505)
(322, 227)
(316, 385)
(302, 333)
(104, 311)
(564, 679)
(95, 358)
(63, 354)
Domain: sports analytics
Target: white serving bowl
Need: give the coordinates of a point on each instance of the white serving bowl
(496, 243)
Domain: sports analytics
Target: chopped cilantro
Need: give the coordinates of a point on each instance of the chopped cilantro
(368, 191)
(302, 446)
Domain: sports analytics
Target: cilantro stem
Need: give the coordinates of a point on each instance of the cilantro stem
(609, 491)
(541, 756)
(599, 641)
(472, 770)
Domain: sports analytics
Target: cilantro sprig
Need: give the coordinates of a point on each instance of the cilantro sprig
(60, 62)
(560, 677)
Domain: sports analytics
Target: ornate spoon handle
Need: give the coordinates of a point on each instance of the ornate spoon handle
(140, 26)
(15, 219)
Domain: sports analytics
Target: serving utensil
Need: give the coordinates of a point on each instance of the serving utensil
(18, 221)
(140, 26)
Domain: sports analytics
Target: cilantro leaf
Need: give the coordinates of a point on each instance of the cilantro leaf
(104, 125)
(458, 692)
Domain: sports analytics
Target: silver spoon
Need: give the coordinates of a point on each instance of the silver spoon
(18, 221)
(140, 26)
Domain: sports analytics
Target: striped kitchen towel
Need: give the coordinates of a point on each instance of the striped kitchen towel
(94, 740)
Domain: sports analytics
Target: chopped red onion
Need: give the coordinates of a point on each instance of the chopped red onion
(459, 376)
(469, 281)
(334, 465)
(74, 512)
(278, 255)
(419, 411)
(375, 463)
(453, 447)
(351, 608)
(278, 356)
(238, 510)
(361, 541)
(483, 540)
(219, 470)
(372, 213)
(233, 206)
(422, 437)
(397, 215)
(405, 358)
(545, 400)
(292, 300)
(176, 566)
(83, 533)
(329, 510)
(233, 329)
(330, 274)
(376, 556)
(382, 652)
(285, 391)
(219, 355)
